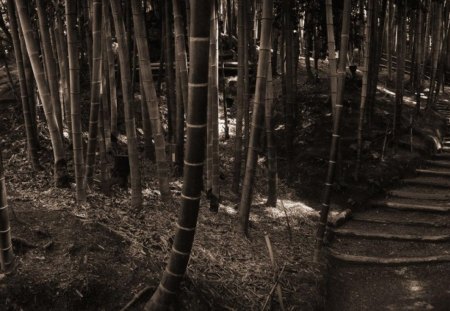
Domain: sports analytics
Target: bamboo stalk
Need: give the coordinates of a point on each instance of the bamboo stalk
(241, 94)
(130, 125)
(336, 131)
(331, 52)
(364, 88)
(151, 100)
(194, 158)
(257, 116)
(49, 62)
(272, 174)
(6, 248)
(29, 129)
(96, 83)
(60, 172)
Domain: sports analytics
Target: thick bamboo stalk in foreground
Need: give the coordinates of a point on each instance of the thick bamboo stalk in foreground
(194, 158)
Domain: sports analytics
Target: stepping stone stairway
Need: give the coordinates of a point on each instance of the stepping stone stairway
(395, 254)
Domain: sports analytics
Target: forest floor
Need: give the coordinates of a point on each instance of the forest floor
(97, 256)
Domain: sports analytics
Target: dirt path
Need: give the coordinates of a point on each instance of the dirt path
(395, 254)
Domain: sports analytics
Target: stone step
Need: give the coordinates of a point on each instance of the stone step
(370, 260)
(438, 163)
(411, 205)
(380, 231)
(438, 182)
(388, 248)
(442, 156)
(417, 193)
(433, 172)
(402, 217)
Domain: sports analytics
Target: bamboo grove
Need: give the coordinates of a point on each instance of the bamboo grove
(179, 91)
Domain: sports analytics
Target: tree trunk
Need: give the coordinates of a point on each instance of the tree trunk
(390, 37)
(194, 158)
(426, 46)
(151, 99)
(440, 72)
(257, 116)
(224, 96)
(272, 178)
(435, 50)
(308, 40)
(96, 83)
(336, 130)
(74, 72)
(111, 70)
(149, 146)
(60, 172)
(182, 79)
(130, 125)
(213, 113)
(106, 83)
(169, 76)
(419, 57)
(365, 78)
(331, 53)
(29, 82)
(50, 64)
(241, 94)
(399, 84)
(290, 89)
(6, 247)
(376, 46)
(85, 32)
(249, 61)
(61, 48)
(32, 144)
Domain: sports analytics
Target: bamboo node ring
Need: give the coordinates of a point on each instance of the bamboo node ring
(185, 228)
(180, 253)
(196, 125)
(193, 164)
(166, 290)
(190, 198)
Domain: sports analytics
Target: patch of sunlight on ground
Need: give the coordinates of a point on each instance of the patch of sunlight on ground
(414, 286)
(410, 101)
(122, 138)
(291, 208)
(148, 192)
(228, 209)
(231, 125)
